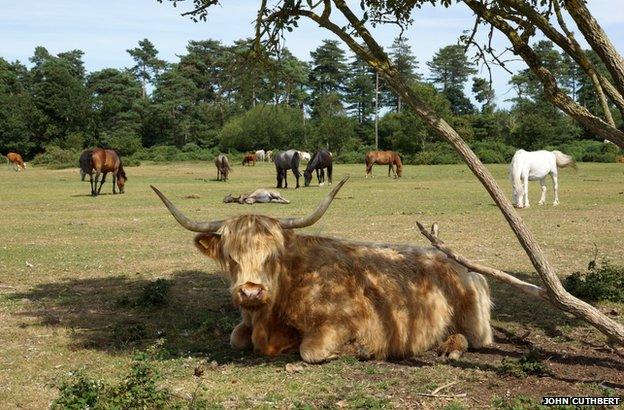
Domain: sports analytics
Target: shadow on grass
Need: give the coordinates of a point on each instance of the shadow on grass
(194, 317)
(515, 308)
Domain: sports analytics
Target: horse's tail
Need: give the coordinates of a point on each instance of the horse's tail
(564, 160)
(85, 163)
(294, 162)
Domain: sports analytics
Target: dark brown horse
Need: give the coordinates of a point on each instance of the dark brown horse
(249, 159)
(389, 158)
(101, 161)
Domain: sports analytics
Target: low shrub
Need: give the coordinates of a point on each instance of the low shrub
(601, 282)
(589, 151)
(139, 389)
(56, 157)
(528, 364)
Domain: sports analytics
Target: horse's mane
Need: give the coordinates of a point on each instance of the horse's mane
(121, 171)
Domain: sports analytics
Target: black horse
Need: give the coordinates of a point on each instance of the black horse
(320, 160)
(283, 162)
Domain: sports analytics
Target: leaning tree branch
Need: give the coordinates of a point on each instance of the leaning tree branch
(528, 288)
(569, 44)
(551, 90)
(598, 40)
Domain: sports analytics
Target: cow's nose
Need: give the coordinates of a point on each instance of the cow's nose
(251, 291)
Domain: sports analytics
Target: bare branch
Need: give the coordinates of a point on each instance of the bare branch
(525, 287)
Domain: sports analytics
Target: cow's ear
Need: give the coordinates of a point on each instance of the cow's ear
(209, 244)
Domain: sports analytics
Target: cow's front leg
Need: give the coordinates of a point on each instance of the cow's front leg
(322, 344)
(241, 335)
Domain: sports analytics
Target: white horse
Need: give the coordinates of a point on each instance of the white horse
(536, 165)
(260, 155)
(305, 156)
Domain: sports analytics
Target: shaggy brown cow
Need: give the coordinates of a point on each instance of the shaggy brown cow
(16, 160)
(331, 296)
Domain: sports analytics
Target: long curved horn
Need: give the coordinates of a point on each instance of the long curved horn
(211, 226)
(292, 223)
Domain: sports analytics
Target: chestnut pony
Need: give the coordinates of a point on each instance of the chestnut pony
(16, 160)
(101, 161)
(389, 158)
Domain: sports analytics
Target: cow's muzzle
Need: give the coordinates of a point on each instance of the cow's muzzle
(250, 295)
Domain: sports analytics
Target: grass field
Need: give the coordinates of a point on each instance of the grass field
(73, 267)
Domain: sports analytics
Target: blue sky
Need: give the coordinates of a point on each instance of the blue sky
(105, 29)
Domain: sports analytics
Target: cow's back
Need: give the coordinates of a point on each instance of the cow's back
(396, 300)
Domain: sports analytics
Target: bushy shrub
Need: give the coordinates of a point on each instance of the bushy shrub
(166, 153)
(57, 157)
(125, 141)
(137, 390)
(493, 152)
(434, 154)
(528, 364)
(601, 282)
(589, 151)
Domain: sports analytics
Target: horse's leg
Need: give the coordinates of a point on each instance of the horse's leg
(389, 168)
(114, 178)
(94, 191)
(102, 182)
(543, 197)
(555, 188)
(285, 178)
(329, 174)
(526, 190)
(279, 177)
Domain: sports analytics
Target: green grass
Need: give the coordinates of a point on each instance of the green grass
(74, 269)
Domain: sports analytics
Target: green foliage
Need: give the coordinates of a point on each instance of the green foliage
(493, 152)
(138, 390)
(601, 282)
(125, 141)
(264, 126)
(589, 151)
(78, 391)
(56, 157)
(528, 364)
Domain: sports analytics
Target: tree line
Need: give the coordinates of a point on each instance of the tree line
(233, 98)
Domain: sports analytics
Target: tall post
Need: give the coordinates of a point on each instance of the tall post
(376, 110)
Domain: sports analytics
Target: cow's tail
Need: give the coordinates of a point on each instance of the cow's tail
(564, 160)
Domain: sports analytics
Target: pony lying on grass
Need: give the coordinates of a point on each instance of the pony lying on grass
(536, 165)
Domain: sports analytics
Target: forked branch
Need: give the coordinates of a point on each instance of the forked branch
(498, 274)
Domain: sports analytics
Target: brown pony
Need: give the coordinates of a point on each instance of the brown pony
(389, 158)
(16, 160)
(103, 161)
(249, 159)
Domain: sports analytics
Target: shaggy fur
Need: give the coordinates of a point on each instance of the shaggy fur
(329, 296)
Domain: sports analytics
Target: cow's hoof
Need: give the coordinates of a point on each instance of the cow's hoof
(453, 347)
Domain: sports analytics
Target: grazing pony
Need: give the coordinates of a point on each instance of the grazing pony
(249, 159)
(535, 165)
(320, 160)
(269, 156)
(283, 162)
(102, 161)
(15, 160)
(223, 167)
(305, 156)
(260, 155)
(389, 158)
(261, 196)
